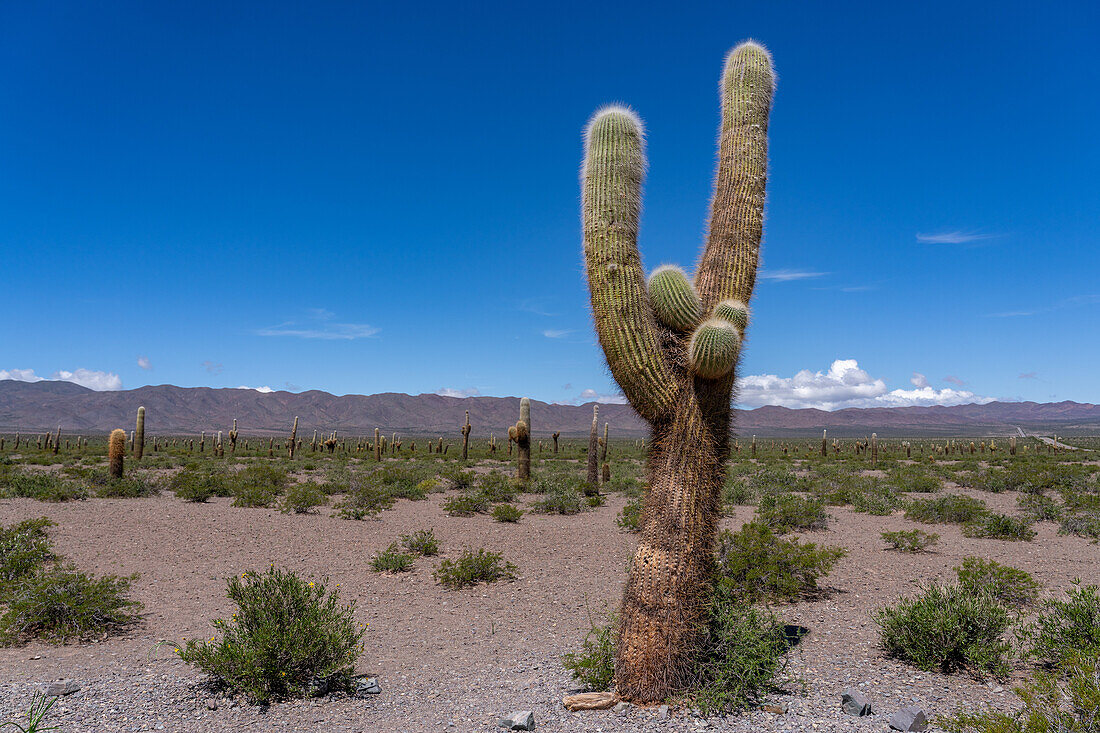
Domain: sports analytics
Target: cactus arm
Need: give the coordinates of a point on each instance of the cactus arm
(727, 269)
(614, 166)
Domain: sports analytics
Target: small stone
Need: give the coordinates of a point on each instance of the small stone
(369, 686)
(211, 704)
(854, 702)
(662, 712)
(911, 718)
(519, 720)
(64, 687)
(777, 708)
(621, 708)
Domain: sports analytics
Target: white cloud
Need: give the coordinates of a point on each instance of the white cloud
(264, 390)
(788, 275)
(557, 333)
(327, 332)
(844, 385)
(954, 380)
(953, 237)
(452, 392)
(591, 395)
(144, 363)
(99, 381)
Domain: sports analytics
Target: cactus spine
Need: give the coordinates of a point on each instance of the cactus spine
(521, 434)
(139, 434)
(116, 447)
(592, 476)
(681, 382)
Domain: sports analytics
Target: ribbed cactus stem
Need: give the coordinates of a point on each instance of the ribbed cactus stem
(676, 371)
(116, 449)
(377, 444)
(555, 436)
(139, 434)
(466, 437)
(57, 440)
(592, 475)
(293, 438)
(523, 441)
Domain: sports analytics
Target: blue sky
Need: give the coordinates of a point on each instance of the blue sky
(370, 197)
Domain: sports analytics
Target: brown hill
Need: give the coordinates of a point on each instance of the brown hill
(41, 406)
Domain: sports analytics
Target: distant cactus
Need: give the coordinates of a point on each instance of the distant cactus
(466, 437)
(592, 475)
(116, 448)
(57, 440)
(521, 434)
(377, 445)
(555, 436)
(293, 438)
(139, 434)
(677, 371)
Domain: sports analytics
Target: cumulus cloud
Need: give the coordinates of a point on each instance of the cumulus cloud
(953, 237)
(144, 363)
(591, 395)
(845, 385)
(99, 381)
(263, 390)
(453, 392)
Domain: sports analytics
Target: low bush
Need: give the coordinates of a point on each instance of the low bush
(1000, 527)
(1039, 507)
(1082, 525)
(467, 505)
(911, 540)
(787, 512)
(254, 496)
(754, 565)
(506, 513)
(560, 500)
(40, 485)
(24, 549)
(594, 665)
(630, 516)
(303, 498)
(288, 637)
(364, 499)
(595, 500)
(742, 651)
(1067, 702)
(774, 480)
(1008, 585)
(421, 542)
(473, 567)
(100, 483)
(735, 492)
(496, 487)
(873, 497)
(913, 479)
(193, 484)
(946, 509)
(392, 560)
(61, 604)
(1065, 627)
(947, 628)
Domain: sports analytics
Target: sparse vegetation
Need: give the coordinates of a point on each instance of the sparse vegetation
(473, 567)
(911, 540)
(755, 565)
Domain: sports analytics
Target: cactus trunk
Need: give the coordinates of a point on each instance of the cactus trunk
(672, 347)
(592, 476)
(116, 447)
(523, 441)
(466, 437)
(139, 434)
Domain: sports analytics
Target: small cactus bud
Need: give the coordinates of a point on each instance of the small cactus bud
(674, 300)
(713, 349)
(733, 311)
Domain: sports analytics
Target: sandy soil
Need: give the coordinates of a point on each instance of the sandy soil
(458, 660)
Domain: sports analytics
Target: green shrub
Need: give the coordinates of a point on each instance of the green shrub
(754, 565)
(459, 479)
(287, 636)
(870, 496)
(560, 500)
(506, 513)
(61, 604)
(787, 512)
(946, 509)
(466, 505)
(24, 549)
(1066, 627)
(595, 500)
(496, 487)
(1039, 507)
(594, 665)
(1000, 527)
(735, 492)
(254, 496)
(911, 540)
(421, 542)
(40, 485)
(364, 499)
(401, 481)
(1008, 585)
(946, 628)
(1082, 525)
(100, 483)
(1068, 702)
(473, 567)
(774, 480)
(392, 560)
(741, 652)
(303, 498)
(196, 485)
(630, 516)
(913, 479)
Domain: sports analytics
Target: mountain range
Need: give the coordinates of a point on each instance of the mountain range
(171, 410)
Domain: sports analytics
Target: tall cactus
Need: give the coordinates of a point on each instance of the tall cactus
(521, 434)
(139, 434)
(293, 438)
(116, 447)
(676, 366)
(592, 475)
(466, 437)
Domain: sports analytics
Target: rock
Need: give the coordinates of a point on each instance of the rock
(318, 687)
(662, 712)
(621, 708)
(519, 720)
(369, 686)
(777, 708)
(911, 718)
(64, 687)
(211, 704)
(854, 702)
